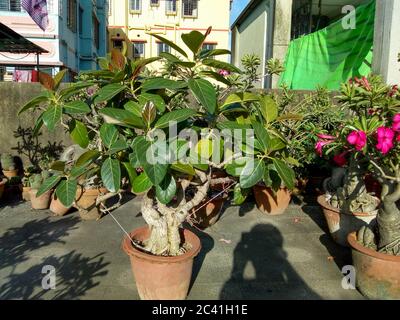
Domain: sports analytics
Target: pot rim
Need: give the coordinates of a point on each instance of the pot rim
(131, 251)
(355, 245)
(261, 185)
(325, 205)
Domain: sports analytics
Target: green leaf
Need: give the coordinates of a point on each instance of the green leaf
(51, 116)
(108, 92)
(232, 125)
(204, 149)
(48, 184)
(153, 160)
(131, 171)
(117, 146)
(241, 97)
(78, 171)
(156, 99)
(193, 40)
(166, 190)
(162, 83)
(177, 115)
(216, 76)
(239, 195)
(141, 184)
(59, 77)
(221, 65)
(171, 44)
(138, 64)
(285, 172)
(103, 63)
(66, 192)
(108, 134)
(38, 125)
(204, 92)
(58, 165)
(235, 168)
(35, 102)
(268, 108)
(74, 88)
(76, 107)
(262, 136)
(134, 108)
(149, 113)
(87, 157)
(215, 52)
(183, 168)
(252, 173)
(277, 144)
(79, 134)
(170, 57)
(111, 174)
(121, 117)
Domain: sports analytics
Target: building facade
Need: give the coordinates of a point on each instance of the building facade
(132, 23)
(266, 27)
(75, 37)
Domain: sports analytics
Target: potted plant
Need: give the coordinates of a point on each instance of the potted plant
(8, 165)
(39, 201)
(118, 123)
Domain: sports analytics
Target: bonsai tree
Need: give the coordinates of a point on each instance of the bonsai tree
(371, 140)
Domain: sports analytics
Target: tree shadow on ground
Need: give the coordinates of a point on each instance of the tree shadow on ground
(261, 270)
(18, 242)
(74, 275)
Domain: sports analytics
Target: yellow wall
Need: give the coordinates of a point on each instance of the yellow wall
(137, 26)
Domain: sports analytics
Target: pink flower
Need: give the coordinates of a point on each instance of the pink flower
(320, 145)
(340, 159)
(396, 126)
(396, 118)
(385, 138)
(224, 73)
(325, 137)
(398, 138)
(365, 83)
(357, 139)
(394, 90)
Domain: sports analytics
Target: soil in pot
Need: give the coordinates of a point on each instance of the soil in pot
(208, 212)
(10, 173)
(57, 207)
(157, 277)
(42, 202)
(378, 274)
(341, 224)
(2, 186)
(270, 202)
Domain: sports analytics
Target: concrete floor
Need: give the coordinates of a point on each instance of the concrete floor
(246, 255)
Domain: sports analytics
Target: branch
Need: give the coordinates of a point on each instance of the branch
(383, 174)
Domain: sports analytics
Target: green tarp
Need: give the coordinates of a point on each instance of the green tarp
(332, 55)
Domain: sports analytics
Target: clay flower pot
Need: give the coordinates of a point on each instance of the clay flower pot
(26, 193)
(341, 224)
(10, 173)
(57, 207)
(2, 186)
(208, 214)
(42, 202)
(378, 274)
(269, 202)
(161, 278)
(86, 198)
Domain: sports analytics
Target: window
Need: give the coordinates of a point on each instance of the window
(189, 8)
(209, 46)
(71, 15)
(138, 50)
(135, 5)
(96, 31)
(170, 7)
(162, 47)
(10, 5)
(154, 3)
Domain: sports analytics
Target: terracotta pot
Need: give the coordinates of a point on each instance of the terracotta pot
(341, 224)
(57, 207)
(26, 193)
(86, 198)
(208, 214)
(269, 202)
(377, 274)
(42, 202)
(2, 186)
(161, 278)
(10, 173)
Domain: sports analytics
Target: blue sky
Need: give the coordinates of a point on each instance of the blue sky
(237, 7)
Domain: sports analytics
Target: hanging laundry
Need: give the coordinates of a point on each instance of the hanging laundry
(37, 9)
(22, 76)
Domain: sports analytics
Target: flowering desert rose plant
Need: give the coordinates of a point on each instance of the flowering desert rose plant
(372, 140)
